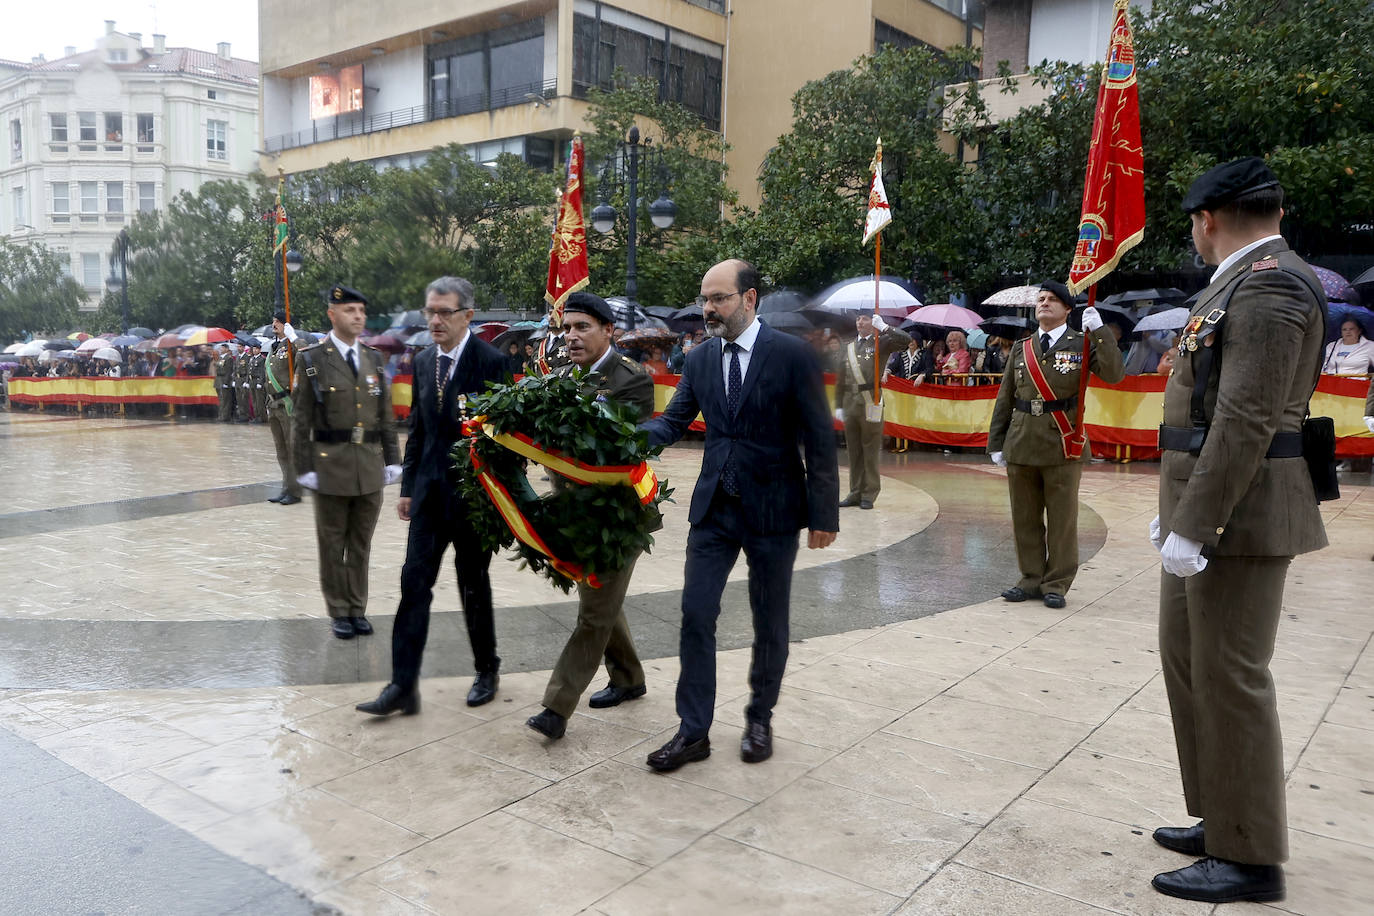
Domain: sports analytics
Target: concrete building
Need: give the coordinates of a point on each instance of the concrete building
(96, 136)
(513, 75)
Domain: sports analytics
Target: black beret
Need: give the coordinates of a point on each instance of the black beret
(341, 294)
(1226, 182)
(279, 315)
(592, 304)
(1059, 291)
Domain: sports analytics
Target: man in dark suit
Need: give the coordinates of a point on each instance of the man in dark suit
(1233, 483)
(763, 399)
(601, 626)
(459, 364)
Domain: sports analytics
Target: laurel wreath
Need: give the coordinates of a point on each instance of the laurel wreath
(601, 528)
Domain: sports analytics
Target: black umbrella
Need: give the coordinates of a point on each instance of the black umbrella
(835, 321)
(59, 344)
(1118, 315)
(411, 319)
(1155, 294)
(782, 300)
(244, 337)
(687, 318)
(513, 335)
(792, 322)
(630, 315)
(145, 333)
(660, 311)
(125, 340)
(1007, 327)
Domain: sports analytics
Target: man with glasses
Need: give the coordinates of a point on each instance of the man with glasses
(459, 364)
(767, 471)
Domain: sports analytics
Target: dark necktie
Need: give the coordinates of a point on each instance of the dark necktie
(729, 475)
(352, 363)
(1044, 343)
(441, 377)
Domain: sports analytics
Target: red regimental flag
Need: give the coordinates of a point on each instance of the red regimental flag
(568, 257)
(1113, 215)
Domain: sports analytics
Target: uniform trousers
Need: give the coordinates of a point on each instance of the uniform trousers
(260, 404)
(280, 423)
(1044, 523)
(864, 441)
(243, 403)
(226, 403)
(601, 631)
(1216, 637)
(343, 529)
(713, 546)
(433, 527)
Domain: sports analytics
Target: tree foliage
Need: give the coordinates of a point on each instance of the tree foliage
(36, 297)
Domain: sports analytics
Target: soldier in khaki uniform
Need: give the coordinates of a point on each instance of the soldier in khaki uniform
(344, 440)
(853, 393)
(601, 626)
(224, 382)
(243, 385)
(278, 405)
(1026, 437)
(257, 377)
(1236, 504)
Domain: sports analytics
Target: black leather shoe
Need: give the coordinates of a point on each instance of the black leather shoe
(677, 752)
(278, 498)
(757, 744)
(1017, 593)
(866, 504)
(393, 699)
(849, 501)
(548, 723)
(611, 695)
(362, 626)
(1187, 840)
(342, 627)
(289, 500)
(1054, 599)
(483, 688)
(1214, 880)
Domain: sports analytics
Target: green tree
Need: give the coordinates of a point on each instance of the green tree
(36, 297)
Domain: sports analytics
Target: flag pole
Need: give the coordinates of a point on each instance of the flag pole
(286, 286)
(877, 341)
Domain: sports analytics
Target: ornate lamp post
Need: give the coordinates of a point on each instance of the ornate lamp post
(662, 212)
(119, 283)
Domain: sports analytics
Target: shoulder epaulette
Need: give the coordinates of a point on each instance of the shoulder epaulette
(309, 346)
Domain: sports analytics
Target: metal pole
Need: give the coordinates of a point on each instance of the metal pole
(631, 279)
(124, 276)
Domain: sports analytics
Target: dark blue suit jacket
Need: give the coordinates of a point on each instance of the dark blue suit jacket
(425, 468)
(782, 435)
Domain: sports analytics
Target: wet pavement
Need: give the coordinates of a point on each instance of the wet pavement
(165, 665)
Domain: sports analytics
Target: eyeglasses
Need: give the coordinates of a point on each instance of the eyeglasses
(716, 299)
(445, 314)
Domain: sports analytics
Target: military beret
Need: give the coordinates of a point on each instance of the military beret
(279, 315)
(340, 294)
(1059, 291)
(592, 304)
(1223, 183)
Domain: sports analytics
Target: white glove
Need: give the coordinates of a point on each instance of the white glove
(1154, 534)
(288, 331)
(999, 459)
(1091, 319)
(1369, 424)
(310, 480)
(1182, 556)
(839, 414)
(391, 474)
(878, 324)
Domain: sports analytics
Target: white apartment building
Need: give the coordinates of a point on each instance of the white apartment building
(94, 137)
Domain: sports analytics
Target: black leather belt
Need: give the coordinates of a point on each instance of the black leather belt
(1037, 407)
(1190, 439)
(355, 435)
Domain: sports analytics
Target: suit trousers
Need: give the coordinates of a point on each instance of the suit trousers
(864, 442)
(1216, 637)
(713, 546)
(601, 631)
(343, 530)
(226, 404)
(433, 527)
(1044, 523)
(280, 423)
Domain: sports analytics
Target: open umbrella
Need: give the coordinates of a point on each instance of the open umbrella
(858, 295)
(660, 311)
(420, 339)
(208, 336)
(411, 319)
(1020, 296)
(125, 340)
(387, 343)
(643, 338)
(792, 322)
(782, 300)
(15, 348)
(1117, 314)
(945, 315)
(1166, 320)
(109, 353)
(512, 336)
(687, 318)
(169, 341)
(977, 339)
(1007, 327)
(95, 343)
(142, 332)
(63, 354)
(79, 336)
(1333, 284)
(143, 346)
(490, 330)
(59, 344)
(632, 315)
(32, 348)
(1132, 296)
(1338, 312)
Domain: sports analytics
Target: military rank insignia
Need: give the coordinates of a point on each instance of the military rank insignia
(1269, 263)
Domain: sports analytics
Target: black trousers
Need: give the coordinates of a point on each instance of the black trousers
(713, 546)
(432, 529)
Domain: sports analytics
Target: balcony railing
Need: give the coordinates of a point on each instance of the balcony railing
(357, 125)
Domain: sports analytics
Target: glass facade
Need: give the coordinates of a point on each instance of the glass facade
(494, 69)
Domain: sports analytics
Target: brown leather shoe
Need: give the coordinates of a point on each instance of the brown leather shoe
(677, 752)
(757, 744)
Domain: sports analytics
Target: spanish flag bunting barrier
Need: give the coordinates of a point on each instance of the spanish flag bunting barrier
(182, 391)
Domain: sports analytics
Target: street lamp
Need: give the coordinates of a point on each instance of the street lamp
(119, 283)
(662, 212)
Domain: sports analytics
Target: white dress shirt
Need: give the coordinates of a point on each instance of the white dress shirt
(745, 340)
(345, 349)
(1240, 253)
(453, 354)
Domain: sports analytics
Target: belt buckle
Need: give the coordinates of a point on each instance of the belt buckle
(1037, 407)
(355, 435)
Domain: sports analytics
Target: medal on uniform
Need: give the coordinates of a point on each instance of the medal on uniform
(1187, 341)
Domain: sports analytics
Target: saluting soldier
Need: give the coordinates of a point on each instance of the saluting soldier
(1236, 504)
(257, 375)
(1033, 436)
(344, 440)
(863, 437)
(243, 385)
(224, 382)
(601, 628)
(278, 374)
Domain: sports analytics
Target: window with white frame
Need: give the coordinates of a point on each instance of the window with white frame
(147, 196)
(85, 122)
(61, 201)
(16, 140)
(146, 132)
(215, 134)
(114, 198)
(90, 270)
(20, 212)
(57, 132)
(90, 197)
(114, 130)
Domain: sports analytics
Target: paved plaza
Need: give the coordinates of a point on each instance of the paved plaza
(178, 735)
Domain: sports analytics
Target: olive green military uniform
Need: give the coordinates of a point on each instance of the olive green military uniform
(1253, 514)
(1043, 483)
(279, 412)
(863, 440)
(343, 430)
(257, 377)
(243, 386)
(601, 626)
(224, 384)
